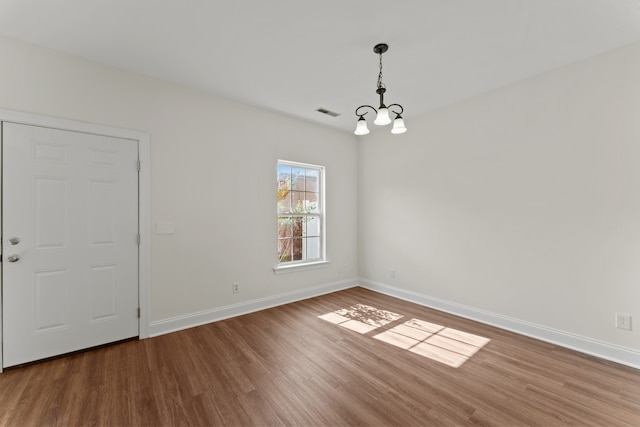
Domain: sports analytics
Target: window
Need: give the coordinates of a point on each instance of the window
(300, 205)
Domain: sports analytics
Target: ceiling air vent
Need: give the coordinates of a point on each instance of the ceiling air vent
(328, 112)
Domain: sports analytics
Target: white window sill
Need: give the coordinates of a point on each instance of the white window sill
(291, 268)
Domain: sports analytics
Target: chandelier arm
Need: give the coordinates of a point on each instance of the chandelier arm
(364, 106)
(396, 105)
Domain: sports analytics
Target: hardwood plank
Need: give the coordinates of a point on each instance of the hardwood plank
(288, 366)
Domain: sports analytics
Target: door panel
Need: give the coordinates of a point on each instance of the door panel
(50, 212)
(72, 200)
(50, 295)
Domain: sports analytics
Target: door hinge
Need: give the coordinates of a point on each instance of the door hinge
(138, 239)
(138, 165)
(138, 312)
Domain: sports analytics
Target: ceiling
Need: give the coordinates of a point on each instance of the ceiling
(294, 56)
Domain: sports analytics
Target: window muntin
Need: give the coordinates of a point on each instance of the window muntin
(300, 213)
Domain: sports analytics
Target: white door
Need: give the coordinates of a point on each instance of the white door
(69, 241)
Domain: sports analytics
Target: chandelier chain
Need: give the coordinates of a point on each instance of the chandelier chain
(380, 84)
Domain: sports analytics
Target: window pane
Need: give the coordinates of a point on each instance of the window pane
(284, 175)
(284, 188)
(284, 204)
(312, 227)
(297, 201)
(297, 179)
(297, 226)
(312, 180)
(284, 250)
(284, 226)
(311, 203)
(297, 249)
(312, 247)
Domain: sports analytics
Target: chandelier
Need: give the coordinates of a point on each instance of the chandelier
(382, 113)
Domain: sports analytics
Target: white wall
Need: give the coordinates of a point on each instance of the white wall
(524, 202)
(212, 174)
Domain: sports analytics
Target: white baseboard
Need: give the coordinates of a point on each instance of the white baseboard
(165, 326)
(603, 350)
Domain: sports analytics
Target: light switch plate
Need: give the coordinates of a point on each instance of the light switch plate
(164, 228)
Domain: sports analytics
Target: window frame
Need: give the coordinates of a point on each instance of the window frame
(284, 266)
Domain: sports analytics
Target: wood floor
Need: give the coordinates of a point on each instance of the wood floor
(288, 366)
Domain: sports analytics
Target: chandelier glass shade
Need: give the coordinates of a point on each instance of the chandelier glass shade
(382, 112)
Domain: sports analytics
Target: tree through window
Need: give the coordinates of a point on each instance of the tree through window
(300, 212)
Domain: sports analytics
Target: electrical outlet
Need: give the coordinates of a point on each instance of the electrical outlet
(392, 273)
(623, 321)
(235, 287)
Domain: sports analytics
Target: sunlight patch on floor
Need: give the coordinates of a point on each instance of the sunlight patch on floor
(361, 318)
(436, 342)
(445, 345)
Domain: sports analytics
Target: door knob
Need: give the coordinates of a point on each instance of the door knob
(13, 258)
(14, 240)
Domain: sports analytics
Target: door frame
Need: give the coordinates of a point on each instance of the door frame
(144, 197)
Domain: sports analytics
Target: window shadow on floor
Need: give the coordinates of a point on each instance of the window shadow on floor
(436, 342)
